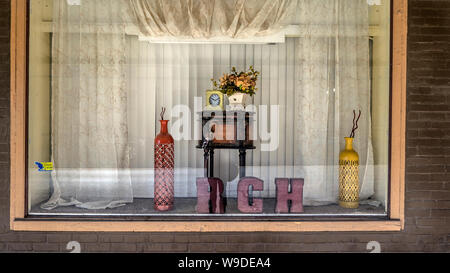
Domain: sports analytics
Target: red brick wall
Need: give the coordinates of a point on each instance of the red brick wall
(427, 171)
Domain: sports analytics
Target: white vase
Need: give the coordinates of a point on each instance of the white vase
(238, 101)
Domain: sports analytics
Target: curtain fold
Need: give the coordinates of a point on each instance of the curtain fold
(89, 106)
(206, 18)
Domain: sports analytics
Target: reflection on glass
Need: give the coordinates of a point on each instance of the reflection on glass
(98, 79)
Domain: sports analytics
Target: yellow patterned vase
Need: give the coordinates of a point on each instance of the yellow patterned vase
(349, 176)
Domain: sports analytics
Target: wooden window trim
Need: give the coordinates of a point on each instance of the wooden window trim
(19, 221)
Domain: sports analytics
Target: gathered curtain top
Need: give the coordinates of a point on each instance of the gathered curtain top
(234, 21)
(211, 18)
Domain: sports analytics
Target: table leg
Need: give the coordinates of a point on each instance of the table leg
(211, 163)
(205, 162)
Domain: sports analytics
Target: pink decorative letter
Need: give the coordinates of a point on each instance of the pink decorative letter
(283, 195)
(215, 195)
(243, 192)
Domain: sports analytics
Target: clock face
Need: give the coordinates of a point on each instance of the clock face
(214, 100)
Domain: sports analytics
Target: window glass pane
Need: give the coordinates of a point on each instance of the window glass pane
(124, 119)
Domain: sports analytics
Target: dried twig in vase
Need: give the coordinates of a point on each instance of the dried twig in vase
(355, 123)
(162, 113)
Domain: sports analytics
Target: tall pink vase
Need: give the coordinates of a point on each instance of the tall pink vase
(164, 169)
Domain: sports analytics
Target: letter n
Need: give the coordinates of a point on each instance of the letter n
(295, 195)
(210, 189)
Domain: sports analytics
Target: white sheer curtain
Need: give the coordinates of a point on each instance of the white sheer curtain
(333, 80)
(108, 88)
(89, 106)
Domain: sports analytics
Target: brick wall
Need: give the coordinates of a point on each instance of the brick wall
(427, 171)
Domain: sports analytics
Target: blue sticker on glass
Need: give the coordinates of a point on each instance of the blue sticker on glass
(44, 166)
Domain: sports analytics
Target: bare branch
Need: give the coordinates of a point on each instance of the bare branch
(355, 123)
(162, 113)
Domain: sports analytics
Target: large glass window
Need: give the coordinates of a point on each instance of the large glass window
(124, 119)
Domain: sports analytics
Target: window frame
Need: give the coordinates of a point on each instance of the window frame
(18, 150)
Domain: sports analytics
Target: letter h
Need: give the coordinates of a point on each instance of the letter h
(284, 195)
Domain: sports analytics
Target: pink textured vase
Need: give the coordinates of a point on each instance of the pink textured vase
(164, 169)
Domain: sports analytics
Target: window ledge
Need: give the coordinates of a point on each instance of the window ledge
(145, 226)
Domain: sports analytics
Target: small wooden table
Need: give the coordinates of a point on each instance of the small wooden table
(229, 130)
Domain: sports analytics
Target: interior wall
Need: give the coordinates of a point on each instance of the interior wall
(39, 95)
(379, 16)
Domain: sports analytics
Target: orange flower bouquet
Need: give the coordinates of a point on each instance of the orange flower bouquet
(238, 82)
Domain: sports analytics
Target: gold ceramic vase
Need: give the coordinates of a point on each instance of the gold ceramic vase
(349, 176)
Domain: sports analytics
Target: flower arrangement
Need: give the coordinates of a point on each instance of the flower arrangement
(238, 82)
